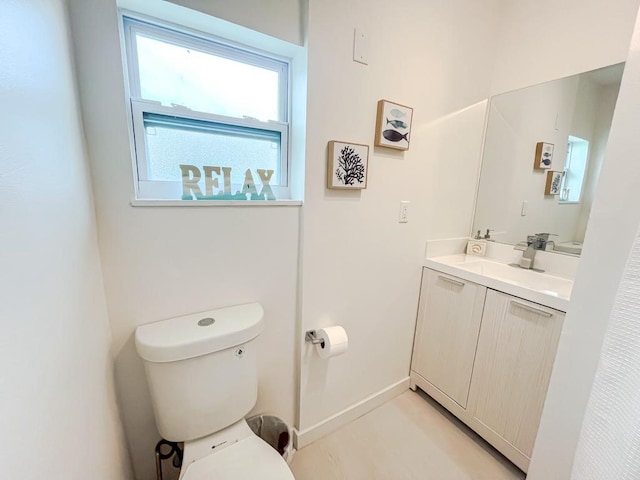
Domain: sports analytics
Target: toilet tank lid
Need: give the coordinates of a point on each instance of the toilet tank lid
(199, 333)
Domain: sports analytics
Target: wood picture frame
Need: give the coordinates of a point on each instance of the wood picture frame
(544, 156)
(554, 182)
(393, 125)
(347, 165)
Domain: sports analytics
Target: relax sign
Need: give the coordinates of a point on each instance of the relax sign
(191, 177)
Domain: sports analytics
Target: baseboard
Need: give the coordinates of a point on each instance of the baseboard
(302, 438)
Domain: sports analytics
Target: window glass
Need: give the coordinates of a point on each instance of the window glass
(174, 74)
(172, 142)
(198, 102)
(575, 169)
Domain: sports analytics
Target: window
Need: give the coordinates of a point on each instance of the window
(575, 169)
(196, 103)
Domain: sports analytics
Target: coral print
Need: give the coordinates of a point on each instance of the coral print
(347, 165)
(350, 167)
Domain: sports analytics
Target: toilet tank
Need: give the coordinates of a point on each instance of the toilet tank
(201, 369)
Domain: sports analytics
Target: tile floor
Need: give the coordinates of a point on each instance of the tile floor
(409, 438)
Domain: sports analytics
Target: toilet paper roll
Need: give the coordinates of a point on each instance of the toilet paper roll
(334, 341)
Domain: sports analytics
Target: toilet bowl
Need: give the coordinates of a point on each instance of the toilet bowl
(239, 454)
(569, 247)
(203, 379)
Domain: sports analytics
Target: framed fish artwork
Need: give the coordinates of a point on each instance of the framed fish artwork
(347, 165)
(544, 156)
(393, 125)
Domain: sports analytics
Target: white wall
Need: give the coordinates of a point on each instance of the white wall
(543, 40)
(279, 18)
(605, 108)
(610, 236)
(361, 268)
(59, 414)
(161, 262)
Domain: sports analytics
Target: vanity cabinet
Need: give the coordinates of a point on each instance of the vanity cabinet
(487, 357)
(444, 348)
(514, 359)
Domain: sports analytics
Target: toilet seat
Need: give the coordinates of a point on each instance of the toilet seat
(249, 458)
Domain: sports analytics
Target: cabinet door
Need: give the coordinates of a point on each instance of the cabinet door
(516, 350)
(447, 332)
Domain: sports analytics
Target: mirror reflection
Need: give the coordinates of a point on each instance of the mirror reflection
(543, 150)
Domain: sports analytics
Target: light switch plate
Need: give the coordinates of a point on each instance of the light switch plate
(360, 46)
(404, 212)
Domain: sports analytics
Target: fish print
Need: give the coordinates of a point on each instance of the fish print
(398, 113)
(394, 136)
(396, 123)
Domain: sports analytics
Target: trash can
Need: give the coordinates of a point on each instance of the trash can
(274, 431)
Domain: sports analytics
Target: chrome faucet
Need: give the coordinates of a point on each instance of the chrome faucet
(535, 242)
(528, 256)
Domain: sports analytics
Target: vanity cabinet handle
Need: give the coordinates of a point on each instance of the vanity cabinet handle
(529, 308)
(451, 280)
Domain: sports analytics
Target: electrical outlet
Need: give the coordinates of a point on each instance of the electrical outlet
(404, 212)
(525, 207)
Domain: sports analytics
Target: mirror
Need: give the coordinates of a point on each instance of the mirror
(543, 150)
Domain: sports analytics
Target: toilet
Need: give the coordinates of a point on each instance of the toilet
(203, 378)
(569, 247)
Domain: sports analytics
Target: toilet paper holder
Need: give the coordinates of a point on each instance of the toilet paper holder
(310, 336)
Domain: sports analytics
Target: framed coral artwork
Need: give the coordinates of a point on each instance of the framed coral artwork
(347, 165)
(393, 125)
(554, 182)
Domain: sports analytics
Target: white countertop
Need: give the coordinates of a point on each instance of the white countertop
(542, 288)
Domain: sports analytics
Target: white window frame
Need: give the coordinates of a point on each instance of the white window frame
(185, 37)
(571, 142)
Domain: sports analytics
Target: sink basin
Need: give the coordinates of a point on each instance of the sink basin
(541, 282)
(542, 288)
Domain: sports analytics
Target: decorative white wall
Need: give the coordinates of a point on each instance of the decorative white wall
(282, 19)
(610, 236)
(361, 268)
(57, 402)
(605, 108)
(161, 262)
(541, 40)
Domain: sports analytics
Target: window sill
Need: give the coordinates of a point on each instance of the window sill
(216, 203)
